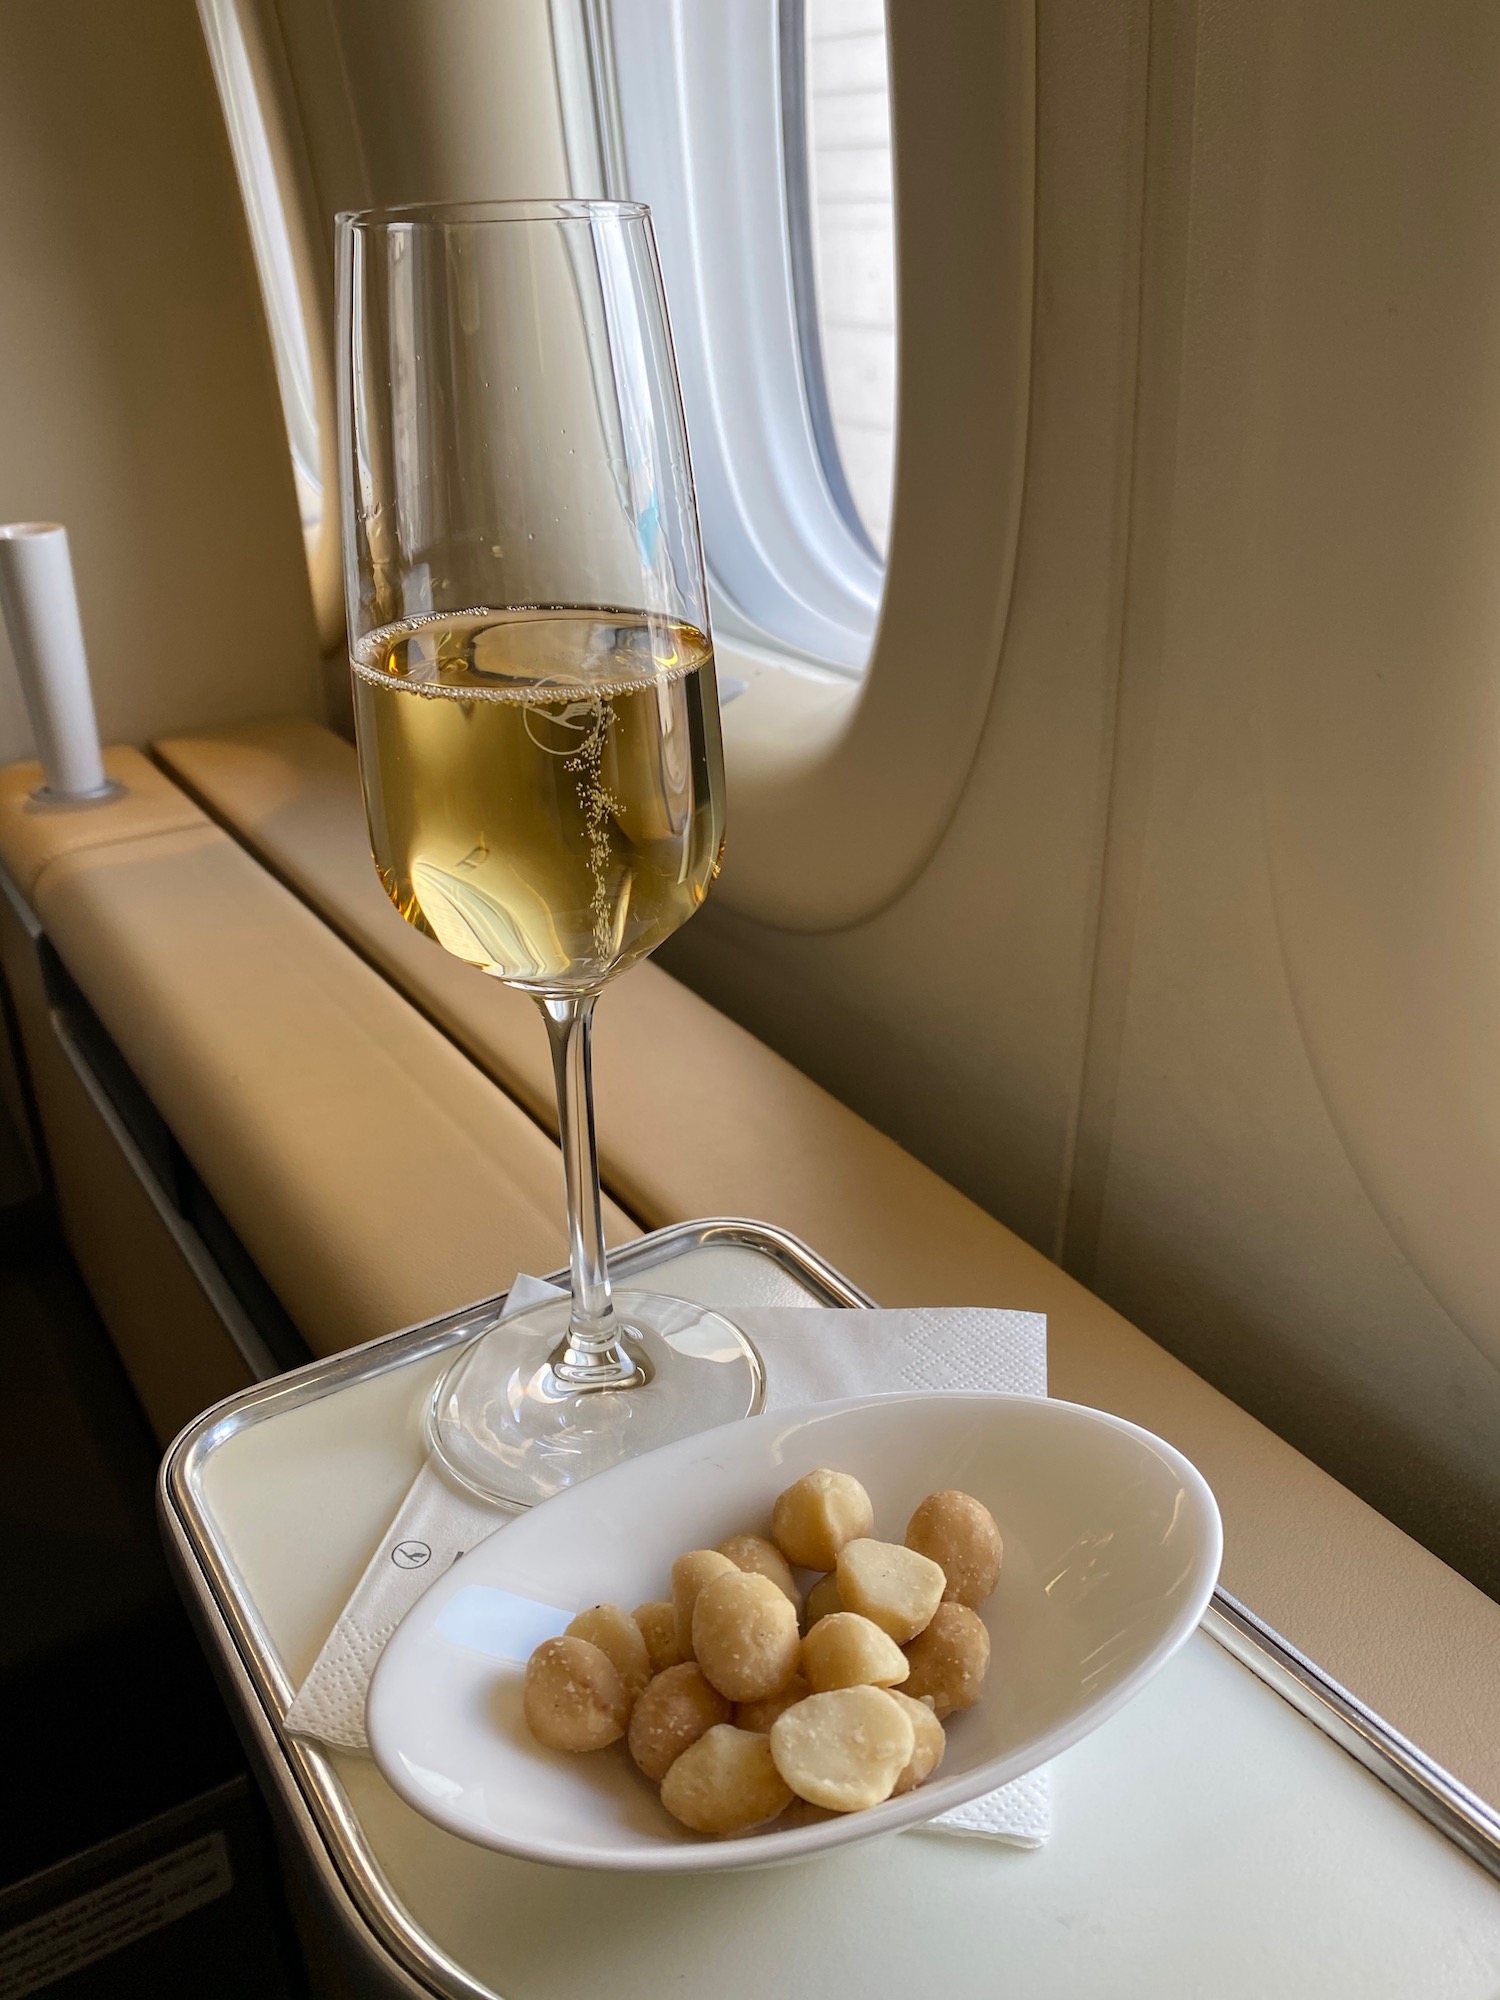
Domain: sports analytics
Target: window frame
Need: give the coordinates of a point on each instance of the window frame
(841, 787)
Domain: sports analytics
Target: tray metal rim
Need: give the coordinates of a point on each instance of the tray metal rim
(1447, 1804)
(306, 1781)
(309, 1783)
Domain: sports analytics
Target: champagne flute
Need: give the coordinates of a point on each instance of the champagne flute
(538, 728)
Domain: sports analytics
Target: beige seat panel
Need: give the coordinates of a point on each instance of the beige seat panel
(374, 1177)
(172, 1342)
(697, 1118)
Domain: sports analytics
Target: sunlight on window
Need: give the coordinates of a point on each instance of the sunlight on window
(853, 243)
(780, 290)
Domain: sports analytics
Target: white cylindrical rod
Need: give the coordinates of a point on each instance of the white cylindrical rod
(40, 608)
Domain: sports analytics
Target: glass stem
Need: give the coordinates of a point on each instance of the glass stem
(591, 1357)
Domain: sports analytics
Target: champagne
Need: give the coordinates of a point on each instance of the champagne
(544, 787)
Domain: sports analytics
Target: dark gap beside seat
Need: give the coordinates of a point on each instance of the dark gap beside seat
(112, 1717)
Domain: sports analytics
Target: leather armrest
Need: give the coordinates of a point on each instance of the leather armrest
(698, 1118)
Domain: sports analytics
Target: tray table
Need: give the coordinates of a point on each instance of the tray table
(1242, 1828)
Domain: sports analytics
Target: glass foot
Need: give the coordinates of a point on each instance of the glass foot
(508, 1427)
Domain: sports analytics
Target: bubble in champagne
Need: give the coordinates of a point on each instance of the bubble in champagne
(543, 787)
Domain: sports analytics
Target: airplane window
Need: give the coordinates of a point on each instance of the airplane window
(251, 146)
(759, 134)
(847, 284)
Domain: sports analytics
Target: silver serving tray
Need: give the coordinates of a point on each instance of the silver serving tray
(378, 1937)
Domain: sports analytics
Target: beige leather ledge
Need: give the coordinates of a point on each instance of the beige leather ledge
(173, 1343)
(372, 1174)
(698, 1118)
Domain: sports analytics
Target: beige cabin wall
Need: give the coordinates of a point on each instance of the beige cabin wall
(1220, 1090)
(138, 397)
(138, 400)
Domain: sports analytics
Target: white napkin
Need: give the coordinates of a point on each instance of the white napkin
(812, 1354)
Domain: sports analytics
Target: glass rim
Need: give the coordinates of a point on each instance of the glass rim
(466, 214)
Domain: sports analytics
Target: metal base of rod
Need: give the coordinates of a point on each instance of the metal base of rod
(46, 800)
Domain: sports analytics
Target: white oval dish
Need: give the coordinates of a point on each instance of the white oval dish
(1112, 1547)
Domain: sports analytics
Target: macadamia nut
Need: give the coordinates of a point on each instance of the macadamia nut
(927, 1751)
(658, 1624)
(689, 1574)
(675, 1710)
(745, 1635)
(822, 1600)
(845, 1650)
(759, 1715)
(755, 1553)
(949, 1660)
(894, 1588)
(813, 1518)
(742, 1702)
(844, 1750)
(616, 1633)
(962, 1538)
(725, 1782)
(574, 1698)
